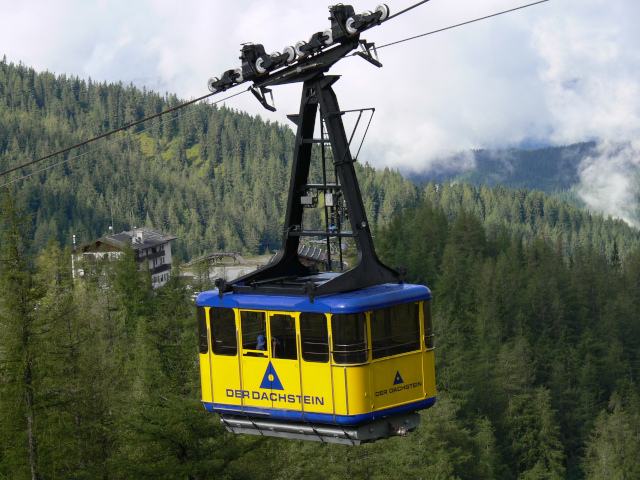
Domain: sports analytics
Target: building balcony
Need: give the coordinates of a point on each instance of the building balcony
(151, 256)
(161, 268)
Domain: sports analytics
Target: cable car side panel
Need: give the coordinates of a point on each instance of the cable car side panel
(428, 359)
(220, 368)
(315, 366)
(429, 374)
(323, 362)
(397, 381)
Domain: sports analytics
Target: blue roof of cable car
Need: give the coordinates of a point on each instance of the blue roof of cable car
(351, 302)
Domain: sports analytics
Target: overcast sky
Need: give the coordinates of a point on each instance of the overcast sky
(557, 73)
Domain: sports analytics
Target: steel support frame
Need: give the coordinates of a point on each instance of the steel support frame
(317, 93)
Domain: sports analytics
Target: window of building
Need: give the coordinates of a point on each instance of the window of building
(349, 334)
(395, 330)
(314, 336)
(203, 345)
(223, 331)
(283, 337)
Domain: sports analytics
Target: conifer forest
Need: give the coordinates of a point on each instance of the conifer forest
(536, 304)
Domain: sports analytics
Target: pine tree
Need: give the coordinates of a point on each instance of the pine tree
(612, 449)
(169, 434)
(20, 324)
(59, 364)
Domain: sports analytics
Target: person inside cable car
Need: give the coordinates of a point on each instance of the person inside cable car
(274, 343)
(261, 343)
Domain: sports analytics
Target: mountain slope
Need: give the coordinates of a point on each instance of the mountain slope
(214, 177)
(549, 170)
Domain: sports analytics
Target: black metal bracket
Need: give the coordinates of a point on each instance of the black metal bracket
(222, 286)
(310, 289)
(261, 94)
(402, 271)
(366, 53)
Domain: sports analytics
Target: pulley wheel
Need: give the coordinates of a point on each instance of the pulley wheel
(239, 77)
(211, 83)
(384, 10)
(300, 44)
(328, 36)
(291, 52)
(349, 25)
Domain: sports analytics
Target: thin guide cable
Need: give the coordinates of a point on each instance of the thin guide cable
(460, 24)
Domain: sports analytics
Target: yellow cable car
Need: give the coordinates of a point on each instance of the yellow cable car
(347, 368)
(292, 352)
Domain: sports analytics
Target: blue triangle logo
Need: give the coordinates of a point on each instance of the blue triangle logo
(398, 379)
(270, 381)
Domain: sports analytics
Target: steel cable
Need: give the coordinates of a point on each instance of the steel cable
(454, 26)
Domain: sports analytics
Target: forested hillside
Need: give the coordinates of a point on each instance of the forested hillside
(537, 356)
(549, 170)
(599, 176)
(215, 178)
(536, 306)
(522, 214)
(538, 349)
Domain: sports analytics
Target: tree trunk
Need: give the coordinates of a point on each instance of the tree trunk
(33, 459)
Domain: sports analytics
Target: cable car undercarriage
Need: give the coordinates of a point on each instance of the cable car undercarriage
(397, 425)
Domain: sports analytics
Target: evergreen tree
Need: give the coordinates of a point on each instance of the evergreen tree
(21, 326)
(612, 449)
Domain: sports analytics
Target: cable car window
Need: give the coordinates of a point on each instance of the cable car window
(223, 331)
(314, 337)
(254, 333)
(203, 345)
(283, 337)
(349, 338)
(395, 330)
(428, 327)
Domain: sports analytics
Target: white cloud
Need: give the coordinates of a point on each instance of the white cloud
(609, 180)
(590, 79)
(560, 72)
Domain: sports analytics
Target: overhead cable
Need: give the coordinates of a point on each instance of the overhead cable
(459, 24)
(405, 10)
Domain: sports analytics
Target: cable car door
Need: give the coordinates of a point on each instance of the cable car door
(283, 372)
(315, 367)
(270, 375)
(255, 359)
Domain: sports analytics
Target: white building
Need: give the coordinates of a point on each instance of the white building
(152, 249)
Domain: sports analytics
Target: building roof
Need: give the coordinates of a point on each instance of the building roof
(98, 245)
(140, 238)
